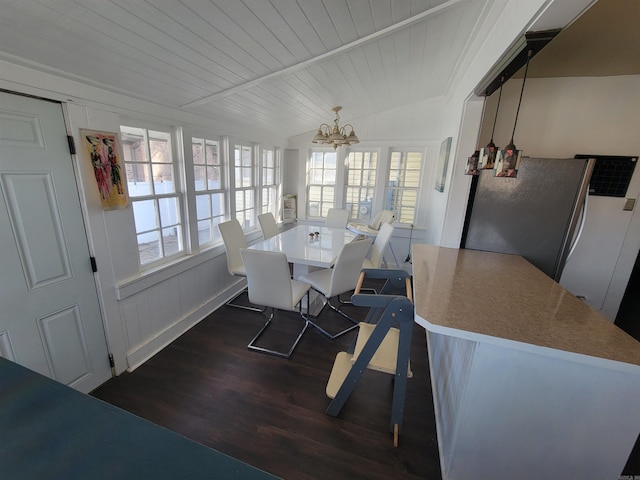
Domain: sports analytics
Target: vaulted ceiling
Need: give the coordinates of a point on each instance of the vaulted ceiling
(281, 63)
(259, 64)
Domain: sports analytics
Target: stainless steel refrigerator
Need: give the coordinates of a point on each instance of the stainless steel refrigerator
(536, 215)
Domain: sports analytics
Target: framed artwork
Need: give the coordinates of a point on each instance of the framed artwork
(104, 151)
(443, 162)
(507, 163)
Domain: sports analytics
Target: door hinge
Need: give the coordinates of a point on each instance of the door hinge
(94, 265)
(72, 145)
(112, 362)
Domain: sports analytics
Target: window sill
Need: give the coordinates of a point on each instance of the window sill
(164, 272)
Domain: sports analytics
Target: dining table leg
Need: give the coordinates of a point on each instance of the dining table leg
(316, 300)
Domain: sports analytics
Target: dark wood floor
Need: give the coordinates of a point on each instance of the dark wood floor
(269, 412)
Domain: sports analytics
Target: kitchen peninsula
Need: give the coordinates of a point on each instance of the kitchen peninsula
(528, 381)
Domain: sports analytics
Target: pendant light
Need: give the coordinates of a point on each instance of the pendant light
(473, 162)
(511, 145)
(495, 120)
(491, 147)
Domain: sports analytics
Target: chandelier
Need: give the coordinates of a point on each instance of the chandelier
(335, 135)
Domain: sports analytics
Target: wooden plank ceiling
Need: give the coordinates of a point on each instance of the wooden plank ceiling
(262, 63)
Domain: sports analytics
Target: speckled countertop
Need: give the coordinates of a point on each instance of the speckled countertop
(505, 297)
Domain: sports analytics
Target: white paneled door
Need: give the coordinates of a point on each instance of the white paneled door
(50, 318)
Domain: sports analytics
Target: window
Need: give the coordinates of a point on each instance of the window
(268, 184)
(152, 189)
(361, 182)
(172, 215)
(321, 184)
(402, 190)
(209, 188)
(245, 187)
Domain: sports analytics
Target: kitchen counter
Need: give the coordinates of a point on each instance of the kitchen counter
(528, 380)
(504, 297)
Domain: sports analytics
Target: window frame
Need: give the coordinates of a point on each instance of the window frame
(222, 190)
(336, 187)
(417, 189)
(362, 204)
(270, 188)
(383, 168)
(156, 198)
(249, 192)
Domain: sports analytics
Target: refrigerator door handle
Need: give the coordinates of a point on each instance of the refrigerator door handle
(583, 219)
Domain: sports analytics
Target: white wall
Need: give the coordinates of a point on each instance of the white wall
(105, 229)
(561, 117)
(290, 170)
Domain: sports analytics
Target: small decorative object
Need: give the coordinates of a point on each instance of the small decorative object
(443, 162)
(317, 234)
(104, 151)
(311, 237)
(473, 167)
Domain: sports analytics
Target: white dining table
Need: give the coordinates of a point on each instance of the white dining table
(308, 252)
(305, 252)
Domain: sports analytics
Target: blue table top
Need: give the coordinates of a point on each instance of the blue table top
(50, 431)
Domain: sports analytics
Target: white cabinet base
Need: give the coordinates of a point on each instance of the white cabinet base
(506, 413)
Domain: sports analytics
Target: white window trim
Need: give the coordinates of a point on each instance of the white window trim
(420, 189)
(277, 179)
(382, 179)
(178, 179)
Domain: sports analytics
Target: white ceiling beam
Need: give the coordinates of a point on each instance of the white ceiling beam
(332, 53)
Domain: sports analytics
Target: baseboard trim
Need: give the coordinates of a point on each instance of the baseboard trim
(141, 353)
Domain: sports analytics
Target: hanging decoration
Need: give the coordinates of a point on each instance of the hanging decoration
(508, 160)
(104, 151)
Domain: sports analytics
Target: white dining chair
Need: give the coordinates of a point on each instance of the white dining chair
(268, 225)
(233, 239)
(379, 246)
(337, 218)
(383, 216)
(270, 284)
(342, 278)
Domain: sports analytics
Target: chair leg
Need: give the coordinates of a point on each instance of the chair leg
(340, 333)
(244, 307)
(252, 344)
